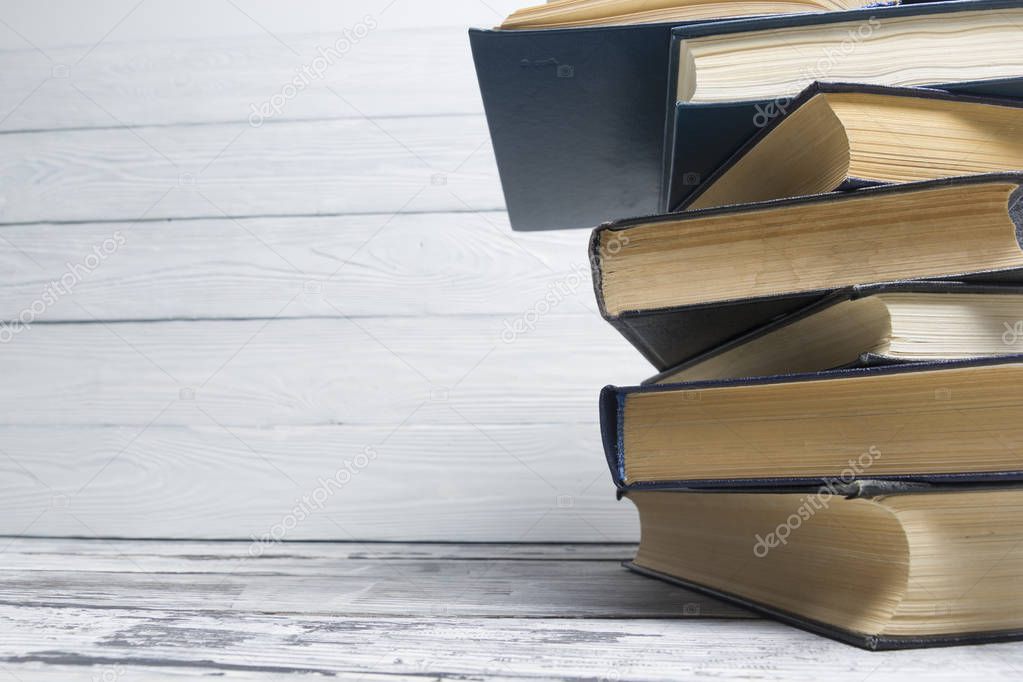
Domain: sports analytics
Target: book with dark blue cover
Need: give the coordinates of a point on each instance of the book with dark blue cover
(672, 328)
(1001, 334)
(577, 119)
(784, 494)
(732, 412)
(924, 123)
(700, 137)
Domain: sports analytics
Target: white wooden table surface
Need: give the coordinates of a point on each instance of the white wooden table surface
(292, 326)
(123, 610)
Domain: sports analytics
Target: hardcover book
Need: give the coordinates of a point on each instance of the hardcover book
(731, 79)
(872, 325)
(678, 285)
(574, 93)
(935, 422)
(839, 135)
(876, 566)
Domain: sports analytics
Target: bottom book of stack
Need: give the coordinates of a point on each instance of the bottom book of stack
(879, 505)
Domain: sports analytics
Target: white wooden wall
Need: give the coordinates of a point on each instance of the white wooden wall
(332, 285)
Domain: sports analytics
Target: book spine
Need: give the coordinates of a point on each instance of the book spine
(610, 432)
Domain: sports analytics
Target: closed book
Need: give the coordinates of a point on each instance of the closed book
(932, 422)
(881, 566)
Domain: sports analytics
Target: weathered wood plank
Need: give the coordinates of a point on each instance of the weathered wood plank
(343, 578)
(286, 558)
(413, 482)
(408, 265)
(385, 371)
(98, 669)
(448, 647)
(413, 72)
(397, 588)
(290, 168)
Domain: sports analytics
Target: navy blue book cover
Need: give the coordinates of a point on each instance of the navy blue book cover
(612, 423)
(797, 102)
(701, 137)
(612, 402)
(931, 287)
(577, 120)
(671, 336)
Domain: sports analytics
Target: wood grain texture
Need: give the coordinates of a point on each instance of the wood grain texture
(287, 294)
(166, 610)
(291, 557)
(446, 648)
(402, 482)
(65, 23)
(98, 670)
(286, 168)
(266, 373)
(404, 265)
(220, 81)
(549, 581)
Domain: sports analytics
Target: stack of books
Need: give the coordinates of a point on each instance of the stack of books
(830, 287)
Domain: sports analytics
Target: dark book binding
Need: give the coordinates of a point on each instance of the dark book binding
(859, 639)
(577, 120)
(867, 359)
(700, 137)
(1004, 100)
(612, 402)
(669, 337)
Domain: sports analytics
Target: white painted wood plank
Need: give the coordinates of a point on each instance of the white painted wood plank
(408, 265)
(70, 22)
(346, 578)
(446, 647)
(99, 669)
(290, 558)
(77, 669)
(383, 371)
(288, 168)
(386, 73)
(513, 483)
(397, 588)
